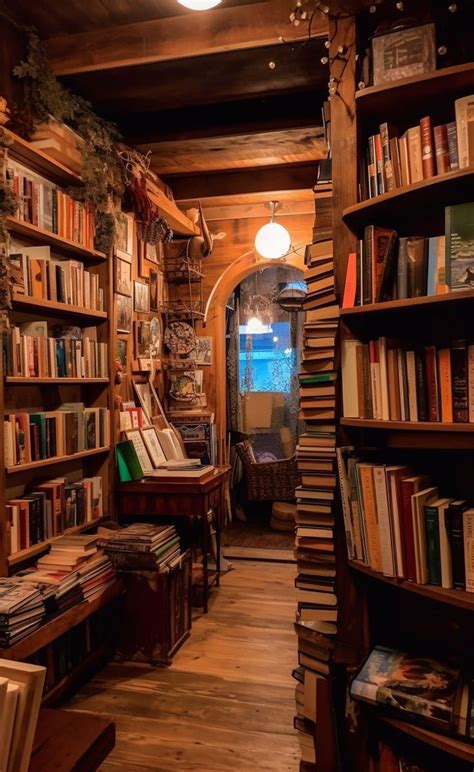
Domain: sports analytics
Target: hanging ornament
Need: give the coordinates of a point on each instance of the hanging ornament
(324, 60)
(400, 5)
(373, 8)
(452, 8)
(442, 50)
(272, 65)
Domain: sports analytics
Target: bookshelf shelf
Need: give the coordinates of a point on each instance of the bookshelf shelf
(458, 598)
(61, 624)
(402, 209)
(452, 745)
(55, 460)
(55, 241)
(422, 89)
(12, 380)
(39, 161)
(426, 302)
(37, 549)
(26, 302)
(409, 426)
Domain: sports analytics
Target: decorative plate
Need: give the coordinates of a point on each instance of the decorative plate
(182, 389)
(180, 338)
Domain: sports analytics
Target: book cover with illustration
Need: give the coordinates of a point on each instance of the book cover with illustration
(460, 246)
(420, 686)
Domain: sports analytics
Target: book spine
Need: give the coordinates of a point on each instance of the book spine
(445, 548)
(372, 168)
(445, 385)
(421, 401)
(441, 149)
(452, 134)
(393, 390)
(402, 269)
(456, 541)
(470, 381)
(367, 264)
(409, 559)
(384, 379)
(468, 533)
(346, 507)
(385, 529)
(427, 148)
(387, 162)
(371, 518)
(414, 154)
(432, 543)
(431, 383)
(368, 401)
(459, 382)
(379, 165)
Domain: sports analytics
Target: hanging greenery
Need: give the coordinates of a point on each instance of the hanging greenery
(8, 207)
(102, 170)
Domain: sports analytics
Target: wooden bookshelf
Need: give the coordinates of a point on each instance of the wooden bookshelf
(453, 597)
(426, 302)
(452, 745)
(22, 381)
(31, 304)
(55, 460)
(408, 426)
(38, 549)
(59, 243)
(401, 208)
(385, 100)
(43, 164)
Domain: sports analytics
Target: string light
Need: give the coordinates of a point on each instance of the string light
(272, 65)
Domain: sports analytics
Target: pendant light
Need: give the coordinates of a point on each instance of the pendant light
(199, 5)
(272, 240)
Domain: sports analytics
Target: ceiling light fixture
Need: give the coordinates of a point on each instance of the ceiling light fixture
(199, 5)
(272, 240)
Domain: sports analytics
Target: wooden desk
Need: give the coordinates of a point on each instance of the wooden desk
(67, 741)
(181, 498)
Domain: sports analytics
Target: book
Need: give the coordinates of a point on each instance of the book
(464, 111)
(459, 230)
(440, 134)
(459, 381)
(454, 524)
(427, 147)
(421, 687)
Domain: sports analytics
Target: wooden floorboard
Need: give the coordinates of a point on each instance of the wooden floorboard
(227, 702)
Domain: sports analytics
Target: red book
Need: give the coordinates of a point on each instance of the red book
(432, 383)
(409, 486)
(348, 300)
(427, 148)
(443, 163)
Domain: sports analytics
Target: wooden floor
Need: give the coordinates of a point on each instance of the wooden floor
(256, 533)
(227, 702)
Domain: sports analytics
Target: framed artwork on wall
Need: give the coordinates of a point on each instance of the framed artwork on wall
(141, 296)
(123, 277)
(123, 306)
(124, 235)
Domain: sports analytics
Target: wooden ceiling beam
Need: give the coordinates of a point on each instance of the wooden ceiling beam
(179, 37)
(297, 196)
(254, 180)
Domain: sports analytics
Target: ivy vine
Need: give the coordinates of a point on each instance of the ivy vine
(8, 207)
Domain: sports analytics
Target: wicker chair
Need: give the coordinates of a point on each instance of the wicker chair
(271, 480)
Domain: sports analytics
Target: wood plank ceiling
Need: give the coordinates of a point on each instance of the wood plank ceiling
(196, 89)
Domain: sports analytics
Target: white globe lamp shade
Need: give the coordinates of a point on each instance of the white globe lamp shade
(199, 5)
(272, 241)
(254, 324)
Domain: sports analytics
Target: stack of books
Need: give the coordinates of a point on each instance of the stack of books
(21, 611)
(316, 456)
(45, 205)
(398, 524)
(96, 574)
(36, 274)
(50, 506)
(143, 546)
(21, 689)
(421, 152)
(72, 428)
(388, 380)
(388, 267)
(31, 353)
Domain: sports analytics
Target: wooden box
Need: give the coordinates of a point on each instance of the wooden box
(156, 618)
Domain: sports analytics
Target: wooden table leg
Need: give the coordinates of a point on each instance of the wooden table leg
(205, 569)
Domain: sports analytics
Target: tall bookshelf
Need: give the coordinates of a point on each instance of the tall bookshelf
(87, 623)
(375, 609)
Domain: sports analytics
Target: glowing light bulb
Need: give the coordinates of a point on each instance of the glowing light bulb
(272, 241)
(199, 5)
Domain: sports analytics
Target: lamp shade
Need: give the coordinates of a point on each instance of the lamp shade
(199, 5)
(272, 241)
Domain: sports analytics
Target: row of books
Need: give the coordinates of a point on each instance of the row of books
(72, 428)
(418, 688)
(144, 547)
(49, 507)
(30, 353)
(397, 523)
(36, 274)
(44, 204)
(21, 686)
(421, 152)
(314, 544)
(388, 267)
(385, 380)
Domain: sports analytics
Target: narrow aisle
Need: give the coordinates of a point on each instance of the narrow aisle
(227, 702)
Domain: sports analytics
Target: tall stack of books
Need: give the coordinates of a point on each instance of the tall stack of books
(143, 546)
(316, 456)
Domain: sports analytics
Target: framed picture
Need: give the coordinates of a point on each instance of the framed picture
(158, 404)
(30, 681)
(124, 236)
(154, 302)
(153, 446)
(142, 339)
(143, 392)
(136, 438)
(123, 277)
(124, 311)
(125, 420)
(141, 296)
(161, 284)
(122, 348)
(403, 53)
(204, 350)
